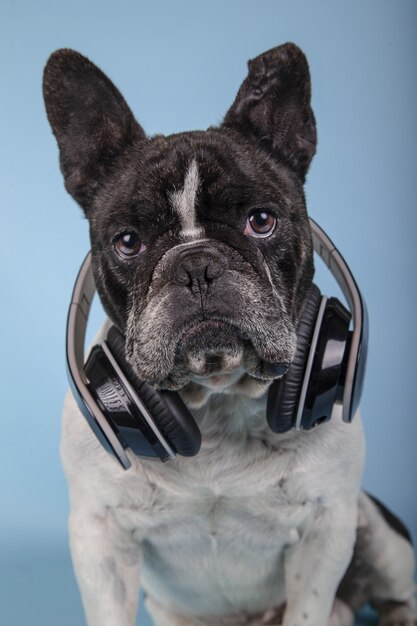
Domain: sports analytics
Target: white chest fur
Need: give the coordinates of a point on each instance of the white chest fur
(220, 535)
(213, 529)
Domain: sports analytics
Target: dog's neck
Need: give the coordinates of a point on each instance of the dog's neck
(229, 410)
(198, 391)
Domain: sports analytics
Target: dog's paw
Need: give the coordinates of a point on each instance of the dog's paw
(341, 615)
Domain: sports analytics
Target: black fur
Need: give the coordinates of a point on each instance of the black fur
(273, 107)
(361, 581)
(123, 180)
(90, 119)
(392, 520)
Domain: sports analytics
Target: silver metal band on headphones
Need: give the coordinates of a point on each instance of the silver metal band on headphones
(331, 256)
(80, 306)
(79, 310)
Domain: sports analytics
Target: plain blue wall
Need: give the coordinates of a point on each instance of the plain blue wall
(179, 65)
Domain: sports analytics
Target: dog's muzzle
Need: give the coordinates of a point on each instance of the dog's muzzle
(197, 267)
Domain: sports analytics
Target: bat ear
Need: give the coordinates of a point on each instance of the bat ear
(90, 119)
(273, 108)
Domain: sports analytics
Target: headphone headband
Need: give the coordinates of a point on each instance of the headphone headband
(355, 369)
(80, 306)
(79, 310)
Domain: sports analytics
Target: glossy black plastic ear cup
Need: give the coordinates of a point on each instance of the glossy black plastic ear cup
(119, 409)
(167, 408)
(304, 397)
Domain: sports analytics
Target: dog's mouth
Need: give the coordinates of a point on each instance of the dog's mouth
(216, 352)
(211, 348)
(170, 346)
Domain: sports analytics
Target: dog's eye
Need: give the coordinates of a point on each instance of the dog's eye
(128, 244)
(260, 224)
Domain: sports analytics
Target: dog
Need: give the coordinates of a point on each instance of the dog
(202, 256)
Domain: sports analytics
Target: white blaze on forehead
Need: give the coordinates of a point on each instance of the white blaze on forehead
(184, 202)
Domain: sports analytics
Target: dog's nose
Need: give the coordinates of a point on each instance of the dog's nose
(198, 267)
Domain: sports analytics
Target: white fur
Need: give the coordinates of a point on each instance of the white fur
(184, 203)
(224, 538)
(247, 524)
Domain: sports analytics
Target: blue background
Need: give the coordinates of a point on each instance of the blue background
(179, 65)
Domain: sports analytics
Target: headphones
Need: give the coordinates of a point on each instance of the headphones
(126, 412)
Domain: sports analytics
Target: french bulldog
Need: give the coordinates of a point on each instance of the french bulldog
(203, 258)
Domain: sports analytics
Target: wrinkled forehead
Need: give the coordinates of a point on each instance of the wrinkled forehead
(196, 175)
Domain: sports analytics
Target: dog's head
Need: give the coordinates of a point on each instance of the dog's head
(201, 244)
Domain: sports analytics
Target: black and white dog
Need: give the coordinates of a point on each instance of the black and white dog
(202, 255)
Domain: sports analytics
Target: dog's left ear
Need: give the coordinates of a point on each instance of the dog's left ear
(273, 108)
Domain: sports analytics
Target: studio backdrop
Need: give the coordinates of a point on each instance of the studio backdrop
(179, 64)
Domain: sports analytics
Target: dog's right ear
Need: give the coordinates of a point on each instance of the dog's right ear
(90, 119)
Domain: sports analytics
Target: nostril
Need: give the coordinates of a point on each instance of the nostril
(196, 268)
(214, 270)
(183, 276)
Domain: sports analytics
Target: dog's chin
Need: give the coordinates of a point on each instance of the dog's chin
(216, 355)
(211, 348)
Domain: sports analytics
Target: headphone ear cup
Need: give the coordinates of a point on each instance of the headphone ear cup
(167, 408)
(284, 393)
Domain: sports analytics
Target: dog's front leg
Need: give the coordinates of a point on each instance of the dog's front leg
(315, 566)
(106, 563)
